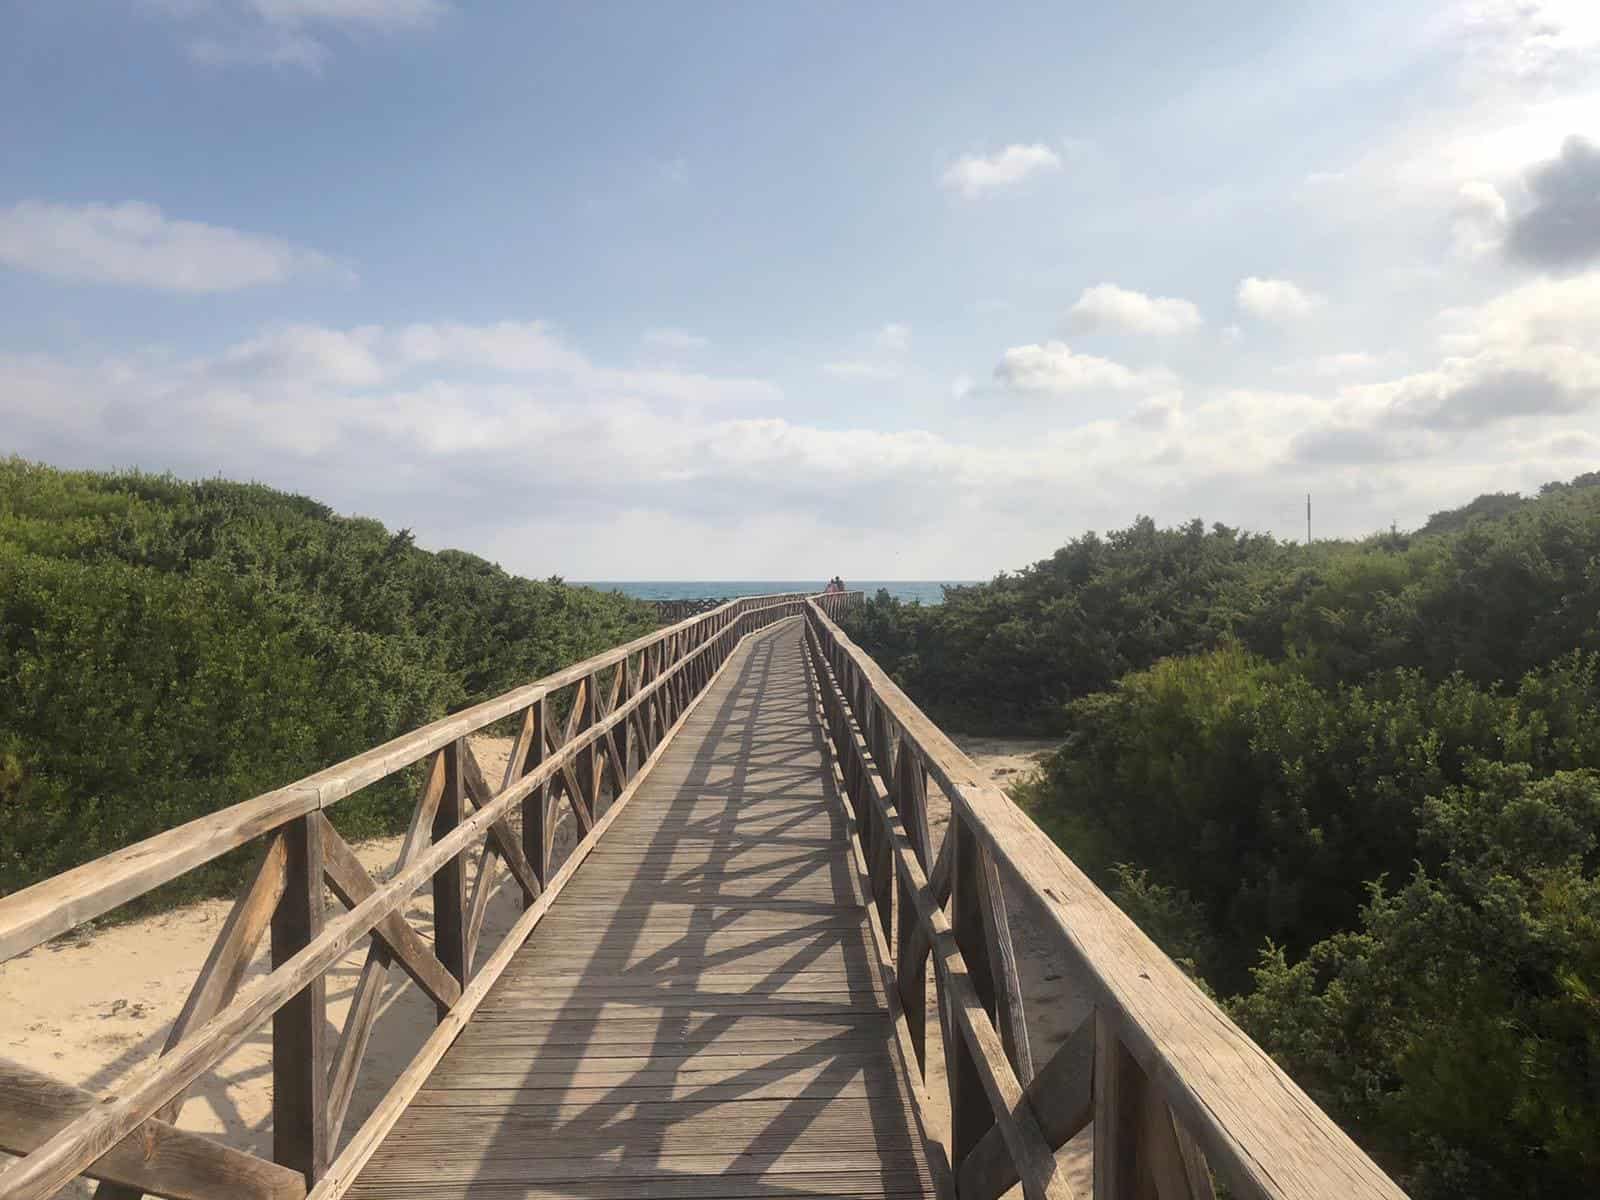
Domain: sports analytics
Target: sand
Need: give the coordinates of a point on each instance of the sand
(91, 1007)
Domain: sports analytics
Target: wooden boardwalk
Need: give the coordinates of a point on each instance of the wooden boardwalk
(693, 1003)
(701, 1013)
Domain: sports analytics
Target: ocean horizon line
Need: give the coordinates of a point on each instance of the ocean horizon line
(924, 591)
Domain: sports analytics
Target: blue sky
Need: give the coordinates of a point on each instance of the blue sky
(761, 290)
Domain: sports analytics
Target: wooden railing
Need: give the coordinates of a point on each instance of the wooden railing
(1174, 1089)
(585, 734)
(668, 611)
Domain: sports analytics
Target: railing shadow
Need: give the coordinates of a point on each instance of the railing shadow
(736, 835)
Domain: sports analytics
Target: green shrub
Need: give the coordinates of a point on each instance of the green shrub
(170, 648)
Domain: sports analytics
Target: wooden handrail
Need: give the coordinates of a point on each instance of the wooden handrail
(624, 705)
(1173, 1084)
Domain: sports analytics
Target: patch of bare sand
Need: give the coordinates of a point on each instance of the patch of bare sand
(1007, 761)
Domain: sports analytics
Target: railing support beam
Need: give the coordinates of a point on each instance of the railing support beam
(449, 881)
(299, 1028)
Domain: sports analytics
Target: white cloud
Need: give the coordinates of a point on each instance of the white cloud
(885, 361)
(1478, 225)
(1540, 41)
(1527, 74)
(1056, 367)
(307, 354)
(1543, 312)
(136, 245)
(1580, 447)
(1491, 388)
(1523, 362)
(677, 340)
(371, 356)
(484, 435)
(1161, 411)
(266, 48)
(1276, 299)
(975, 174)
(893, 338)
(516, 346)
(287, 33)
(1333, 366)
(854, 368)
(1107, 306)
(373, 14)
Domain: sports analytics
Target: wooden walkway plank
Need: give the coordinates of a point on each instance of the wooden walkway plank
(701, 1013)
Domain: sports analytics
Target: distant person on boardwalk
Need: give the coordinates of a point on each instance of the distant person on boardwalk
(834, 585)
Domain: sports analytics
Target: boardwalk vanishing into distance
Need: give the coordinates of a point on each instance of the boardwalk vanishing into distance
(721, 990)
(702, 1013)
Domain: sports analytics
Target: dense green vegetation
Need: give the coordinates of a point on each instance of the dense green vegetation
(1492, 598)
(1355, 787)
(168, 648)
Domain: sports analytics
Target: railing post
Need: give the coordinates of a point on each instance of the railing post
(1118, 1084)
(450, 881)
(589, 757)
(665, 659)
(881, 865)
(654, 710)
(299, 1028)
(639, 721)
(970, 1113)
(620, 736)
(1005, 985)
(911, 978)
(536, 836)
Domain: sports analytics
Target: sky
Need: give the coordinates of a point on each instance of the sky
(896, 291)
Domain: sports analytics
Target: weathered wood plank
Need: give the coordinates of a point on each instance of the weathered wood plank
(1007, 982)
(582, 716)
(224, 967)
(363, 1011)
(156, 1158)
(483, 886)
(1119, 1088)
(538, 830)
(1161, 1158)
(38, 913)
(970, 1113)
(911, 982)
(1061, 1096)
(349, 881)
(299, 1027)
(449, 881)
(230, 955)
(500, 833)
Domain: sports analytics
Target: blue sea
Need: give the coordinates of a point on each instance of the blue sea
(929, 591)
